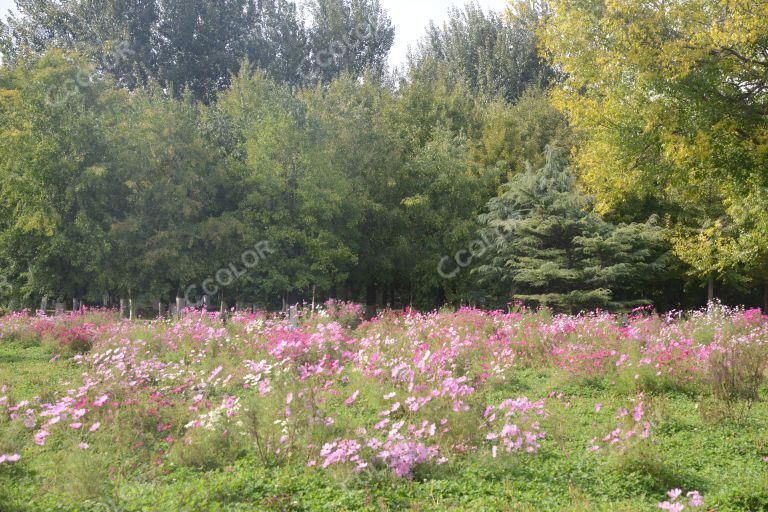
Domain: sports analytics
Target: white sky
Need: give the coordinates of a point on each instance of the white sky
(410, 18)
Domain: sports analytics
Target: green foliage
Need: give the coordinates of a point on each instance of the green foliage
(547, 248)
(669, 101)
(492, 55)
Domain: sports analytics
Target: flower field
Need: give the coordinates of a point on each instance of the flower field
(450, 410)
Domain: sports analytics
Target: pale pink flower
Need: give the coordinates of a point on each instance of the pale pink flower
(695, 499)
(351, 400)
(100, 401)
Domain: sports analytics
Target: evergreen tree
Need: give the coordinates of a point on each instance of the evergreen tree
(547, 247)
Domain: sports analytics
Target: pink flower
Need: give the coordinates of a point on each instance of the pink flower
(83, 446)
(672, 507)
(40, 437)
(674, 493)
(75, 425)
(100, 401)
(351, 400)
(95, 427)
(214, 373)
(10, 458)
(598, 407)
(695, 499)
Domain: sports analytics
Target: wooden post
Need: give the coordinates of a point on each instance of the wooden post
(179, 305)
(312, 311)
(122, 308)
(130, 309)
(44, 304)
(160, 309)
(59, 308)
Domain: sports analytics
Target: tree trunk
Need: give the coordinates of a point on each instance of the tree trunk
(710, 289)
(370, 301)
(765, 298)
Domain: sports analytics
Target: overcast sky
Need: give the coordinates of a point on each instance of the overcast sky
(410, 18)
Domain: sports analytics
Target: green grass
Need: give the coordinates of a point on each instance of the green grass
(720, 459)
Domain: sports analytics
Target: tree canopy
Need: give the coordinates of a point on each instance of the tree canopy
(250, 150)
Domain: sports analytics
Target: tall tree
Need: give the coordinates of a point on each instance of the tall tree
(349, 36)
(183, 44)
(493, 55)
(57, 186)
(669, 99)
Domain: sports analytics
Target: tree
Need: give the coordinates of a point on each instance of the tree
(182, 44)
(669, 101)
(493, 55)
(57, 187)
(293, 199)
(178, 225)
(349, 36)
(547, 247)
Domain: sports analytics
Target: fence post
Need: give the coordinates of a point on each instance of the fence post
(122, 308)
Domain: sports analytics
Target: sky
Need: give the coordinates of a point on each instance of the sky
(410, 18)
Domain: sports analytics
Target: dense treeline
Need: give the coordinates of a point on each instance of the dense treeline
(236, 150)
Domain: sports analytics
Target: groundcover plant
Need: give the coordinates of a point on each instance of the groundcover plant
(449, 410)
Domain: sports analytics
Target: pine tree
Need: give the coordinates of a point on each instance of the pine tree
(548, 248)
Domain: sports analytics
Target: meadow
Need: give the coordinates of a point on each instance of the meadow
(450, 410)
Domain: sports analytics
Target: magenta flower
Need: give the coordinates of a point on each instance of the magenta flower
(40, 437)
(351, 400)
